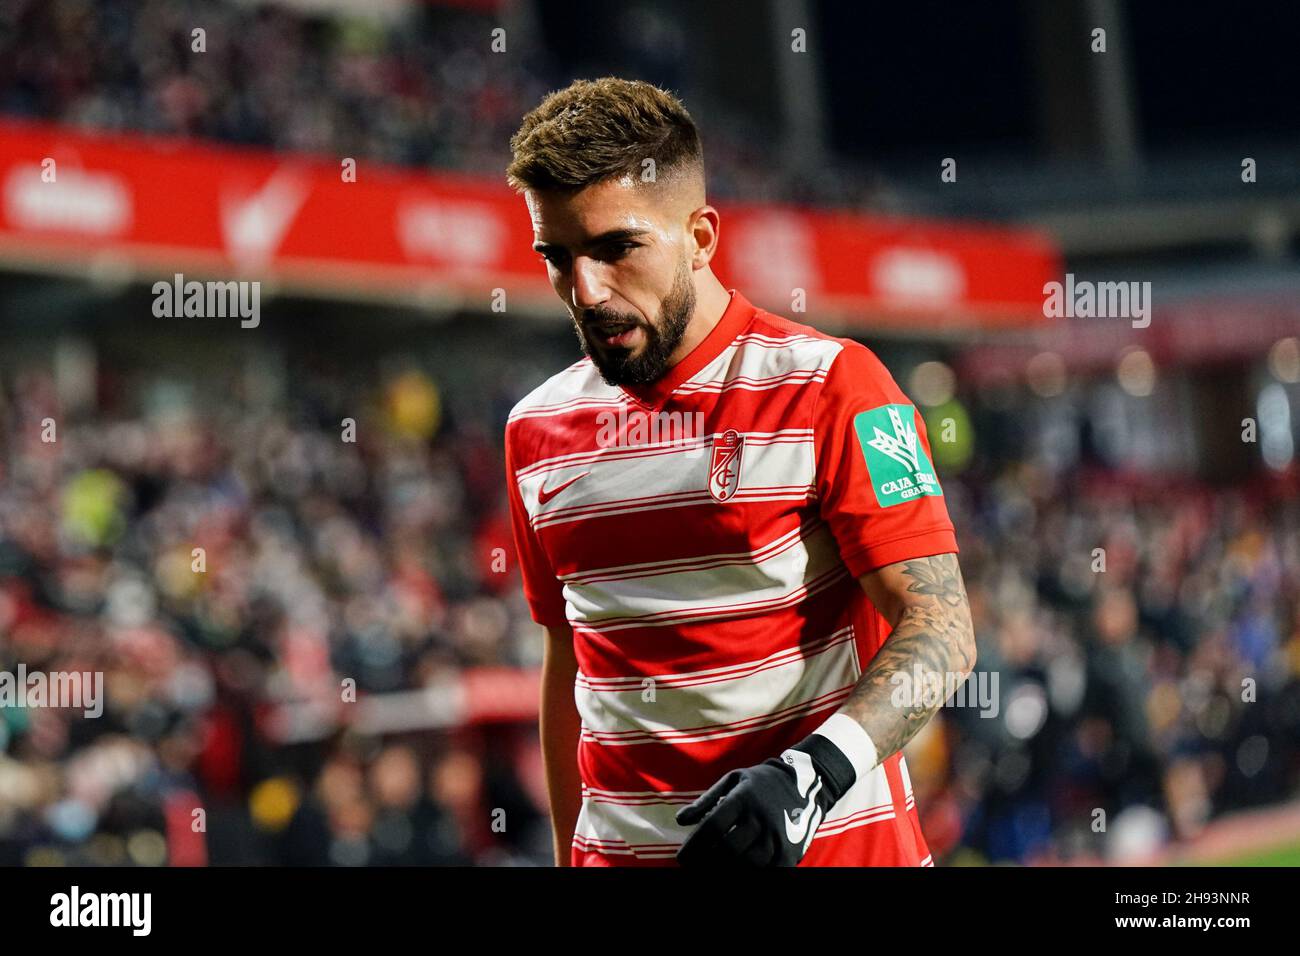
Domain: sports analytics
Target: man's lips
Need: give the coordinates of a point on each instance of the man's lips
(614, 336)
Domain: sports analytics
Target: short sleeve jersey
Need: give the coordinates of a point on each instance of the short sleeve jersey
(703, 537)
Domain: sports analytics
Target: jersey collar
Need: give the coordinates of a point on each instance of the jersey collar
(734, 319)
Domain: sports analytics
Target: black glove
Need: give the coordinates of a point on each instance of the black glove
(767, 815)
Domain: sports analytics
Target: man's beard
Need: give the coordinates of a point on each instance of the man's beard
(619, 366)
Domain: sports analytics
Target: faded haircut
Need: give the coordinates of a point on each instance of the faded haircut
(595, 130)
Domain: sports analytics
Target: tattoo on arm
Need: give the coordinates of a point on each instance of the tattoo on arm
(934, 634)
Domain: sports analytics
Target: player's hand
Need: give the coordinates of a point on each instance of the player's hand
(766, 815)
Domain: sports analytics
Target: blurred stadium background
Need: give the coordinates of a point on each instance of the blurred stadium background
(379, 560)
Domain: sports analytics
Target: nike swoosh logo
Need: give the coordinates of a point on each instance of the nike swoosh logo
(796, 832)
(544, 495)
(254, 225)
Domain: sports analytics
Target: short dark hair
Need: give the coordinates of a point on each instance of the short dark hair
(594, 130)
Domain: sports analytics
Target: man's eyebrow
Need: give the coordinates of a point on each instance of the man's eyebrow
(613, 235)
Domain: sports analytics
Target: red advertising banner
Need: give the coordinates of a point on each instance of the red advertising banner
(155, 205)
(1201, 331)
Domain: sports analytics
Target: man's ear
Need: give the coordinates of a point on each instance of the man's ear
(704, 224)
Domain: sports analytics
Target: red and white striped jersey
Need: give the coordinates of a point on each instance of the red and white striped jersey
(703, 536)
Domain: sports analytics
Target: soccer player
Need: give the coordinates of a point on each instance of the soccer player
(728, 524)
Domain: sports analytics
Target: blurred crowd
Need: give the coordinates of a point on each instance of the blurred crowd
(427, 90)
(1145, 635)
(269, 76)
(323, 560)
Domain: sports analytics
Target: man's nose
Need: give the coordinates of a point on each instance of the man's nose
(589, 289)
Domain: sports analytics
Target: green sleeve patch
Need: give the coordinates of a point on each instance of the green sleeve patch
(897, 464)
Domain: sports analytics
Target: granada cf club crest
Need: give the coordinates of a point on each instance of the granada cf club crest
(724, 469)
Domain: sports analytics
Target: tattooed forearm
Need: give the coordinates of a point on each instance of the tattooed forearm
(933, 635)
